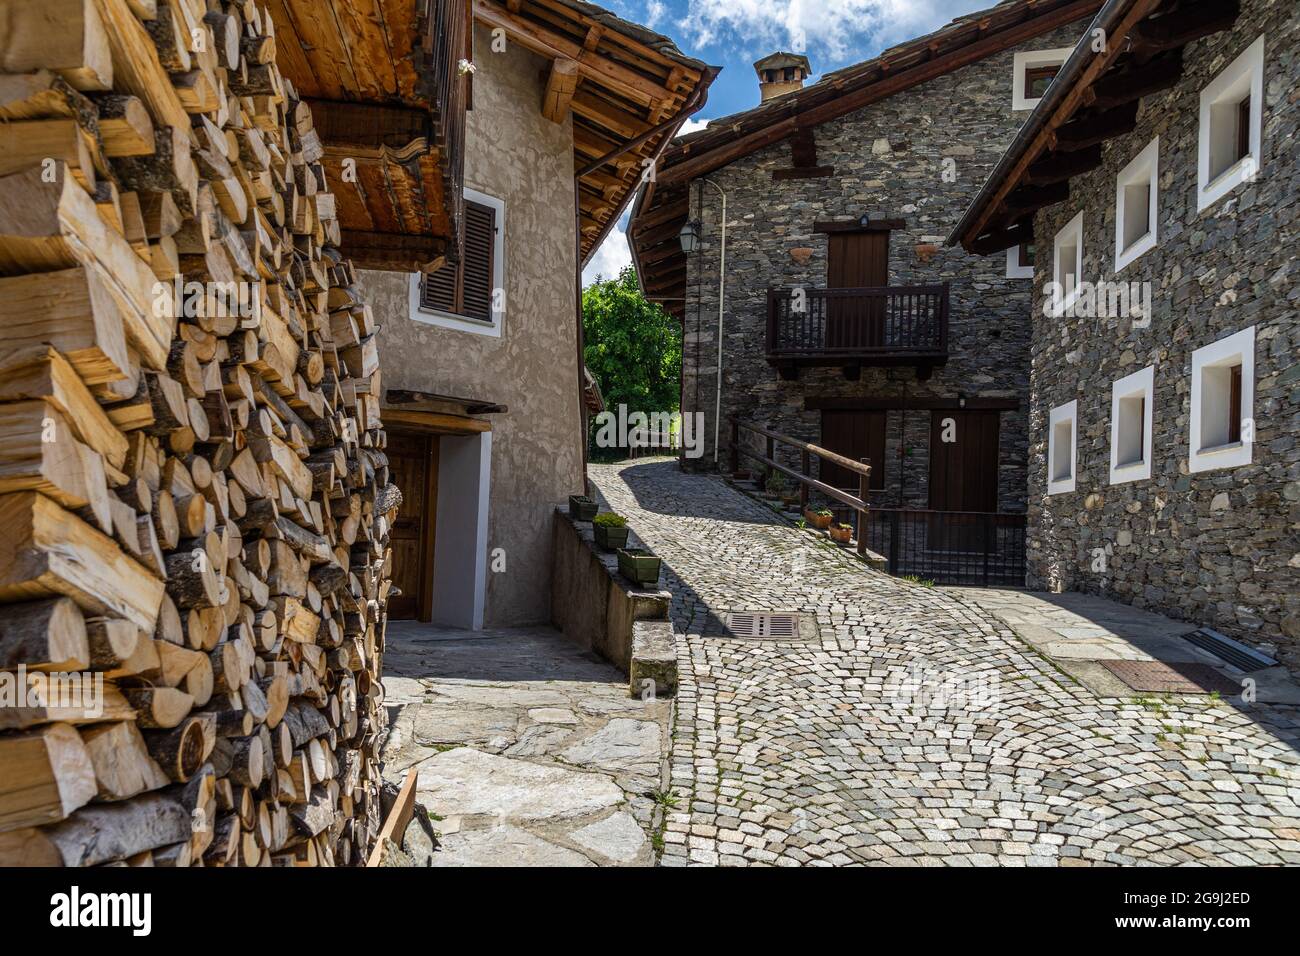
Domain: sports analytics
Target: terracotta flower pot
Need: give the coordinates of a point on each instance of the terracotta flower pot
(820, 522)
(841, 534)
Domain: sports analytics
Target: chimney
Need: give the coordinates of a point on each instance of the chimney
(780, 73)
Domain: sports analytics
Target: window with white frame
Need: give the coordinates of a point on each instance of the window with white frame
(468, 295)
(1062, 443)
(1020, 261)
(1034, 70)
(1223, 403)
(1136, 205)
(1067, 264)
(1131, 399)
(1232, 109)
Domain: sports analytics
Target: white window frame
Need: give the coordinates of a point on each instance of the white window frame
(461, 323)
(1140, 384)
(1142, 170)
(1015, 268)
(1062, 413)
(1225, 352)
(1063, 298)
(1243, 75)
(1028, 60)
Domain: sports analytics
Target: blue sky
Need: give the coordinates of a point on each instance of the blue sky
(734, 33)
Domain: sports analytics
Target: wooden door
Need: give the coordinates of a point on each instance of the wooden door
(856, 260)
(413, 460)
(963, 476)
(855, 434)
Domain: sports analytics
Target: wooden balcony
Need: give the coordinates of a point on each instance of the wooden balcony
(850, 328)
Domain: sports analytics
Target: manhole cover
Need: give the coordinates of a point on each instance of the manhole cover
(760, 625)
(1179, 677)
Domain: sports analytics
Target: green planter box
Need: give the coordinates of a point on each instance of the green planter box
(639, 565)
(611, 539)
(582, 508)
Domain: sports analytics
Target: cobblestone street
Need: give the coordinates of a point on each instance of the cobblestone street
(916, 727)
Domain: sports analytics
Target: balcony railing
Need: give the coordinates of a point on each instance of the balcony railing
(888, 325)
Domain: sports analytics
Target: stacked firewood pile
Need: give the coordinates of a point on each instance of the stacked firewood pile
(194, 497)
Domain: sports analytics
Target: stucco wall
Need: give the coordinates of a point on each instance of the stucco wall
(1216, 547)
(889, 159)
(516, 155)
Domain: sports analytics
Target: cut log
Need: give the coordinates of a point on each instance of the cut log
(44, 776)
(48, 635)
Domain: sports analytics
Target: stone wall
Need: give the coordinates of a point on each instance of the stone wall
(890, 160)
(1215, 547)
(515, 154)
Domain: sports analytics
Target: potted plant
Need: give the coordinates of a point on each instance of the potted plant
(582, 508)
(639, 565)
(819, 518)
(775, 485)
(841, 533)
(610, 530)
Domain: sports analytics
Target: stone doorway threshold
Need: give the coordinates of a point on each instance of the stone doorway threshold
(529, 750)
(1081, 632)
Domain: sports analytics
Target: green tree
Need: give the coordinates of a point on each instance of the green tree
(633, 347)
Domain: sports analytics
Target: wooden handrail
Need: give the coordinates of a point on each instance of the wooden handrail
(823, 453)
(860, 468)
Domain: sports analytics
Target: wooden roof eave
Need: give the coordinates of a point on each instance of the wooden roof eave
(1093, 98)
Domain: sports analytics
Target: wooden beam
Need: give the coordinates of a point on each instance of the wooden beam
(1058, 167)
(552, 45)
(1180, 27)
(394, 251)
(434, 422)
(560, 87)
(369, 125)
(1125, 86)
(1093, 129)
(1014, 235)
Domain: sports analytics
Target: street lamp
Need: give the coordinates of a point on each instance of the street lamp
(690, 236)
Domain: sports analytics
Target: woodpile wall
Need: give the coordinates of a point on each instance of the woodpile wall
(194, 497)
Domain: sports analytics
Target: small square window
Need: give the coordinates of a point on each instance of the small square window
(1067, 264)
(464, 296)
(1231, 124)
(1136, 205)
(1033, 72)
(1223, 399)
(1020, 261)
(1061, 447)
(1131, 403)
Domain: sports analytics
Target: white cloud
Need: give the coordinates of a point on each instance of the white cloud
(691, 125)
(832, 32)
(610, 257)
(654, 12)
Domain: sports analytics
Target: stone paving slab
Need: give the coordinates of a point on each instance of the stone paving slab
(919, 729)
(528, 749)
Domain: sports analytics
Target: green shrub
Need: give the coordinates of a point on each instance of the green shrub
(608, 519)
(823, 512)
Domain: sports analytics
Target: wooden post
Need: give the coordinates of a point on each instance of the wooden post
(771, 456)
(864, 486)
(806, 465)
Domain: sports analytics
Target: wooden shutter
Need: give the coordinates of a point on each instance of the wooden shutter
(476, 283)
(466, 289)
(438, 290)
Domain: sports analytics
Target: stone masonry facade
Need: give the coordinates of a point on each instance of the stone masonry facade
(1212, 547)
(890, 160)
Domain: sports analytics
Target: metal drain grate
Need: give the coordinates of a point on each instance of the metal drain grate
(763, 624)
(1240, 656)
